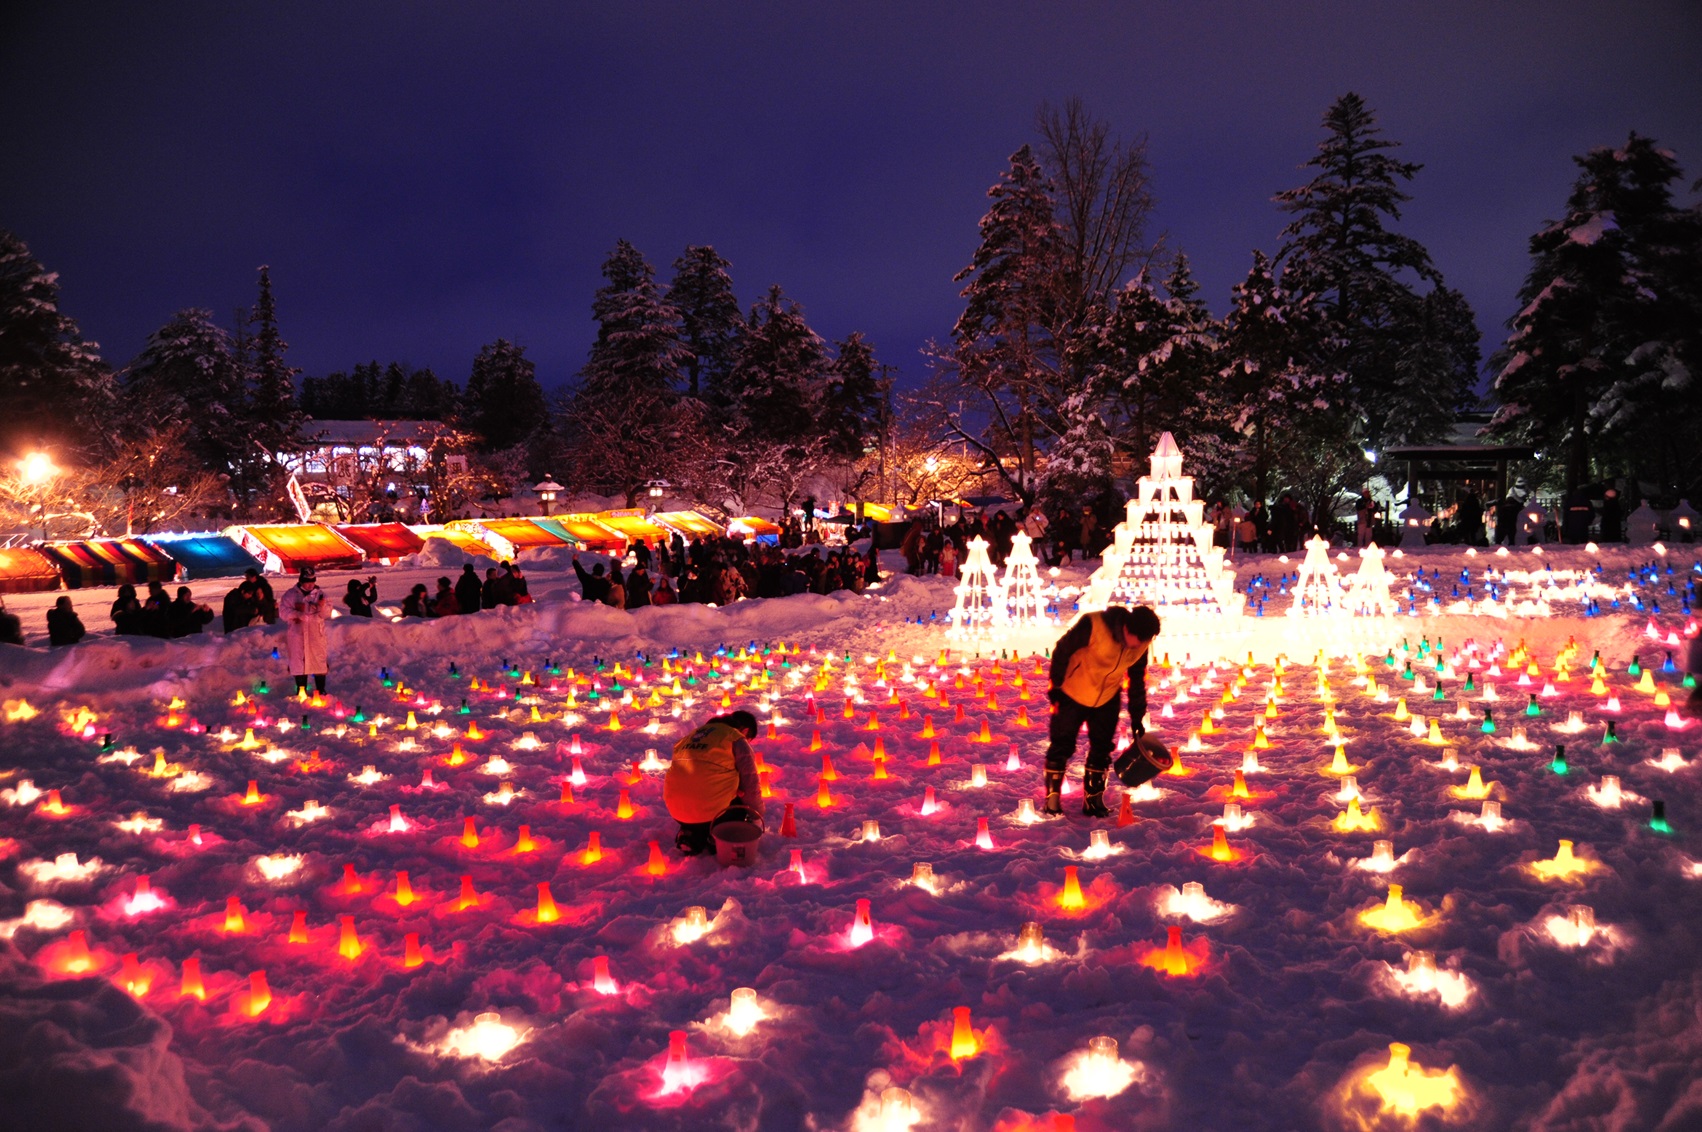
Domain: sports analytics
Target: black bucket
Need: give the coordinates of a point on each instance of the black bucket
(1145, 760)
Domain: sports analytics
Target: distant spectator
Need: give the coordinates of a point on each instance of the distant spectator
(443, 602)
(64, 627)
(617, 588)
(1612, 518)
(468, 590)
(638, 587)
(497, 590)
(11, 628)
(414, 605)
(127, 617)
(250, 603)
(361, 596)
(184, 617)
(594, 586)
(664, 593)
(517, 584)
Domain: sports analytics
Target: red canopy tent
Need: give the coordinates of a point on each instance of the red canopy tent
(382, 542)
(25, 570)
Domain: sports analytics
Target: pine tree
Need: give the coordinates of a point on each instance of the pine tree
(702, 293)
(1002, 348)
(271, 418)
(188, 373)
(624, 421)
(850, 411)
(54, 387)
(1411, 374)
(1600, 359)
(503, 402)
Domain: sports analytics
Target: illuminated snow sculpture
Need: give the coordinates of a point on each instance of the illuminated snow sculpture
(1318, 587)
(979, 614)
(1161, 554)
(1024, 602)
(1368, 588)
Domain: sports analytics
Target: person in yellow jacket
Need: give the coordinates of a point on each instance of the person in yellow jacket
(1090, 664)
(713, 772)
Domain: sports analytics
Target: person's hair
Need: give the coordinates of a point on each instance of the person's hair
(419, 588)
(1140, 622)
(597, 570)
(443, 582)
(182, 591)
(739, 720)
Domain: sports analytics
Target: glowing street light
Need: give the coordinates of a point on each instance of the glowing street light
(36, 472)
(547, 492)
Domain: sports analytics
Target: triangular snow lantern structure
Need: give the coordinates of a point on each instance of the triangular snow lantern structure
(1161, 554)
(1318, 587)
(979, 614)
(1022, 584)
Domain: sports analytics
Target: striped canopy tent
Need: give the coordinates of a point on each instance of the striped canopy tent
(586, 531)
(287, 547)
(633, 523)
(382, 542)
(760, 529)
(207, 555)
(688, 523)
(26, 570)
(110, 562)
(463, 540)
(525, 534)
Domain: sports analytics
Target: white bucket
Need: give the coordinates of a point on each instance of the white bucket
(736, 842)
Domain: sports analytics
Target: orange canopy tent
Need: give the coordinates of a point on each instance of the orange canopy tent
(25, 570)
(761, 529)
(688, 523)
(382, 542)
(287, 547)
(589, 532)
(462, 540)
(525, 534)
(110, 562)
(632, 523)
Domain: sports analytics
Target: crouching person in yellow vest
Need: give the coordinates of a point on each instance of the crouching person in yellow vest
(1090, 664)
(712, 775)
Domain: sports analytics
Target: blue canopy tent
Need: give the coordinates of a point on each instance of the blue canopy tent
(205, 555)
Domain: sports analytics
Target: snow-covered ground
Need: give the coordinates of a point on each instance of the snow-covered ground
(1277, 1011)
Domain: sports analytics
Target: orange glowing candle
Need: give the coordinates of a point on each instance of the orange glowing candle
(934, 753)
(1220, 850)
(547, 911)
(828, 774)
(468, 898)
(79, 960)
(566, 792)
(130, 974)
(404, 890)
(259, 994)
(623, 807)
(234, 921)
(469, 833)
(593, 848)
(880, 766)
(524, 843)
(658, 864)
(192, 986)
(1071, 897)
(824, 797)
(928, 731)
(298, 927)
(252, 798)
(351, 880)
(1239, 789)
(964, 1044)
(411, 956)
(348, 943)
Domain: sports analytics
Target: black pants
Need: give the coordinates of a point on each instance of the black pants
(1101, 733)
(318, 682)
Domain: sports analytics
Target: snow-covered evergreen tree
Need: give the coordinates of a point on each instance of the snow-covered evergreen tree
(1600, 361)
(1412, 363)
(271, 416)
(624, 422)
(710, 319)
(188, 372)
(503, 402)
(1001, 347)
(53, 384)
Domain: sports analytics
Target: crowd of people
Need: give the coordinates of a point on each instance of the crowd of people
(722, 571)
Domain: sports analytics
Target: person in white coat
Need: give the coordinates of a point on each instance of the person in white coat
(304, 609)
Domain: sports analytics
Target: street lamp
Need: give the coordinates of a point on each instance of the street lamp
(37, 470)
(547, 492)
(655, 492)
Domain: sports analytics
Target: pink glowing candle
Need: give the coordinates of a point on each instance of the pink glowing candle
(863, 927)
(601, 980)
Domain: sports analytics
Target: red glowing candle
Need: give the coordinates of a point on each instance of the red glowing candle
(658, 864)
(234, 921)
(593, 848)
(131, 976)
(566, 793)
(351, 881)
(259, 994)
(863, 927)
(426, 779)
(348, 943)
(468, 898)
(934, 753)
(192, 986)
(1126, 812)
(56, 805)
(964, 1043)
(411, 956)
(828, 774)
(983, 835)
(469, 833)
(547, 911)
(815, 740)
(601, 980)
(298, 927)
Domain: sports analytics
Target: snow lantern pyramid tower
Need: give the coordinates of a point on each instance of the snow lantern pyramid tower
(1368, 590)
(1161, 554)
(1022, 585)
(1318, 587)
(979, 614)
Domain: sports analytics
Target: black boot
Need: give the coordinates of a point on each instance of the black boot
(1093, 790)
(1054, 792)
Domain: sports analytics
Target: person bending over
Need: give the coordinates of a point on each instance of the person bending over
(1090, 664)
(713, 772)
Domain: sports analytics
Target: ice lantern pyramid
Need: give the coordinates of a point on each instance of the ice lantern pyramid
(1317, 587)
(1022, 585)
(979, 614)
(1161, 554)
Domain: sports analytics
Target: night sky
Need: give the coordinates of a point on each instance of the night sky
(424, 178)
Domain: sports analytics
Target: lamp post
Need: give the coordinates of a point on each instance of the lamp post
(547, 492)
(37, 471)
(655, 492)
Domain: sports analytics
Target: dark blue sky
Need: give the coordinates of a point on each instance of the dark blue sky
(424, 178)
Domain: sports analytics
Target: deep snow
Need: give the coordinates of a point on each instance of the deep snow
(1291, 999)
